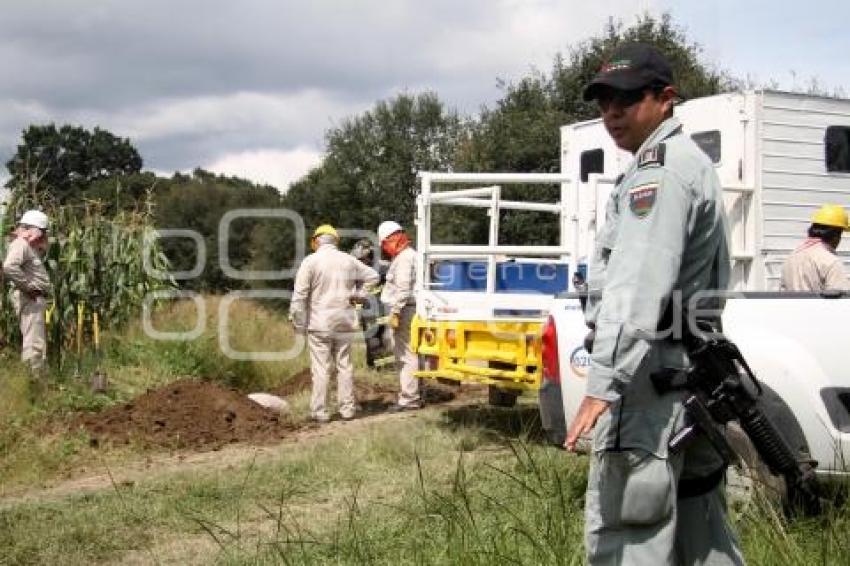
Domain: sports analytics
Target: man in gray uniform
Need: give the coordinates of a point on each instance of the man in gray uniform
(327, 285)
(24, 268)
(664, 240)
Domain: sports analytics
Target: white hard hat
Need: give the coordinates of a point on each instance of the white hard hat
(34, 218)
(387, 228)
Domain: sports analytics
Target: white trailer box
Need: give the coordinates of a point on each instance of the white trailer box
(779, 156)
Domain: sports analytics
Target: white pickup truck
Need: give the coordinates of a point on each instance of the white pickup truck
(779, 157)
(794, 343)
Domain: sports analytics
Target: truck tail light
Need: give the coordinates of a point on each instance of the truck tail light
(549, 339)
(451, 338)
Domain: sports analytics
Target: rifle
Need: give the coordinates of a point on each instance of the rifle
(717, 393)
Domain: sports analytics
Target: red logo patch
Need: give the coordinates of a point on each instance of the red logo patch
(642, 199)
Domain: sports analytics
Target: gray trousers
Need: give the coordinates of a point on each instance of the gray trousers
(633, 514)
(409, 391)
(33, 331)
(330, 352)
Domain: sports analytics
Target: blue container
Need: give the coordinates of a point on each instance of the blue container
(531, 277)
(511, 277)
(460, 276)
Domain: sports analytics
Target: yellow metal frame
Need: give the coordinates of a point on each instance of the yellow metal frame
(469, 350)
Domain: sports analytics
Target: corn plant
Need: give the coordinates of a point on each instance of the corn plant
(97, 271)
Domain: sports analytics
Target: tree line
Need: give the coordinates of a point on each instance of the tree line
(368, 173)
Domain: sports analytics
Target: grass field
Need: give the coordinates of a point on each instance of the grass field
(457, 484)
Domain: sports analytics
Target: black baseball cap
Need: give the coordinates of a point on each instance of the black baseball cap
(631, 67)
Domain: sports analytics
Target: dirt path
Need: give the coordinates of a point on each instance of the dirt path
(202, 444)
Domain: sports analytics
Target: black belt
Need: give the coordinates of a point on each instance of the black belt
(694, 487)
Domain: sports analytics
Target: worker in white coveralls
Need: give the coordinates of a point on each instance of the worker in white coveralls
(814, 266)
(328, 284)
(400, 302)
(24, 268)
(664, 237)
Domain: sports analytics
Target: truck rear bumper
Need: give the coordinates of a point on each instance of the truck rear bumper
(502, 353)
(552, 412)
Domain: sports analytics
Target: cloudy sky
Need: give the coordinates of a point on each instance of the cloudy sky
(249, 87)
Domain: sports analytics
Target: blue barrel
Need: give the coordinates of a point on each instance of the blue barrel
(511, 277)
(460, 275)
(546, 278)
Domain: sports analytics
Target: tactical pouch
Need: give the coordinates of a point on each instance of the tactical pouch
(635, 488)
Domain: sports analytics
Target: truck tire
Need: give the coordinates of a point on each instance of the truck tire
(501, 397)
(750, 480)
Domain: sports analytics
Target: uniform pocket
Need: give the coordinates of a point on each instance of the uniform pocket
(635, 488)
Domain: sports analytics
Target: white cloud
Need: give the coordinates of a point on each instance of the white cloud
(302, 113)
(275, 167)
(522, 33)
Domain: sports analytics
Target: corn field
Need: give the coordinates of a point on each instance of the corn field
(97, 271)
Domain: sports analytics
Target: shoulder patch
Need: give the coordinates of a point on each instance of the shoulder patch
(642, 199)
(652, 156)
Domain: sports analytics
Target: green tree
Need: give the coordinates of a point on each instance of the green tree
(60, 164)
(198, 202)
(693, 76)
(522, 132)
(369, 172)
(123, 192)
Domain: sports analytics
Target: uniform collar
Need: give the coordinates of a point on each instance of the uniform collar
(326, 247)
(669, 127)
(811, 242)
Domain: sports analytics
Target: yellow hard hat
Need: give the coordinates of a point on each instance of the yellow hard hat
(831, 215)
(326, 229)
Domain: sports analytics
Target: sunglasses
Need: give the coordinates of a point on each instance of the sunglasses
(620, 98)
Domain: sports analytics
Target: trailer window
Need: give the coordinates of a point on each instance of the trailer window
(592, 161)
(709, 142)
(837, 143)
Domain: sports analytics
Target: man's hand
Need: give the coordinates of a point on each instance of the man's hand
(589, 411)
(394, 320)
(358, 298)
(297, 322)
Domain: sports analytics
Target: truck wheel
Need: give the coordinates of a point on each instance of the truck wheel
(750, 480)
(501, 397)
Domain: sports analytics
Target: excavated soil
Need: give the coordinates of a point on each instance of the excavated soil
(186, 414)
(202, 415)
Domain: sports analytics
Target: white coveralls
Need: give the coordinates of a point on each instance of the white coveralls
(664, 234)
(321, 304)
(398, 296)
(814, 267)
(24, 268)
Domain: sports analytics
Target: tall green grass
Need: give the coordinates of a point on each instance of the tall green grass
(251, 328)
(456, 487)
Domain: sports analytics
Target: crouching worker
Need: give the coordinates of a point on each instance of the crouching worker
(369, 311)
(25, 269)
(327, 283)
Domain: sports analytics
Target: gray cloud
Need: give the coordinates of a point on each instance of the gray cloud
(111, 54)
(192, 81)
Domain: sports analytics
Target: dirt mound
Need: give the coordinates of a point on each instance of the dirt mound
(296, 383)
(372, 396)
(203, 415)
(187, 414)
